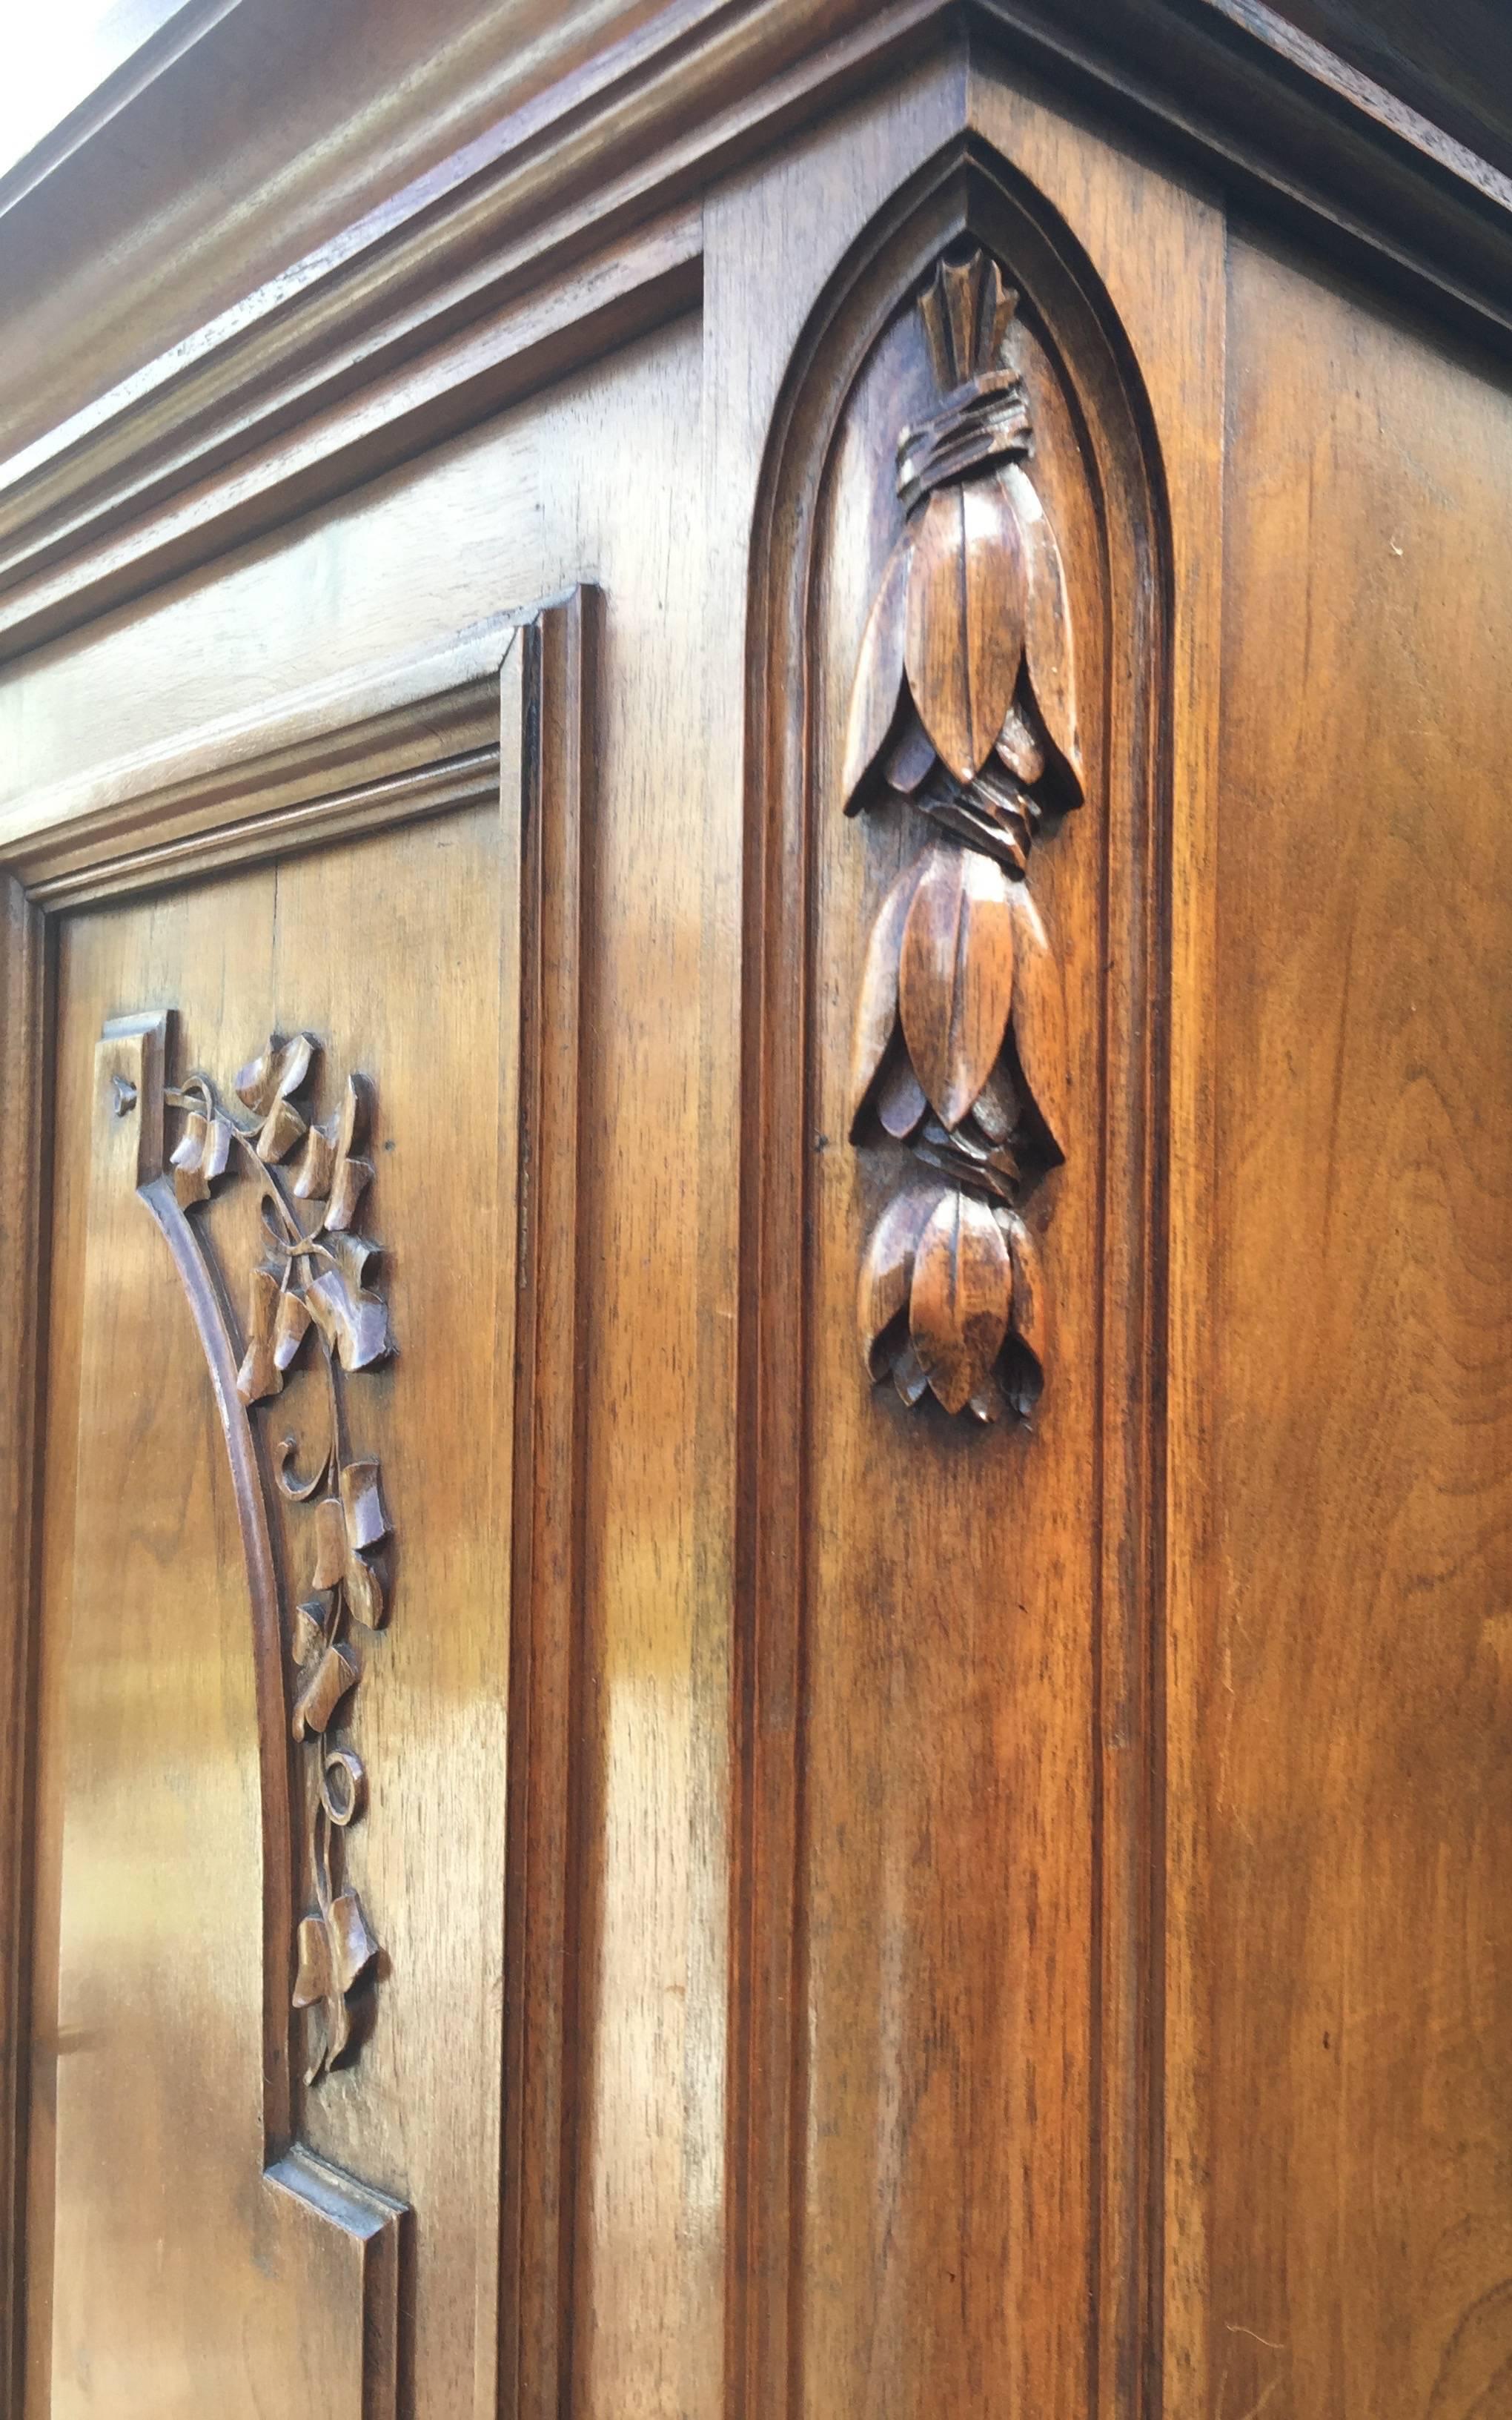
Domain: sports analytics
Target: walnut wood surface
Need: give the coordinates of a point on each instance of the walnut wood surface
(879, 1913)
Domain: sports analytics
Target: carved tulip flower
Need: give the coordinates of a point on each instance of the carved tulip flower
(963, 707)
(947, 1279)
(959, 965)
(965, 694)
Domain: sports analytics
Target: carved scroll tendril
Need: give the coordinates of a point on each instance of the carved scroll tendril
(964, 704)
(310, 1282)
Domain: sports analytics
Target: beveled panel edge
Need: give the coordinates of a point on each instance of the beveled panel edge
(420, 731)
(25, 1084)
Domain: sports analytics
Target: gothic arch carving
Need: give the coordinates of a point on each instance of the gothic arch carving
(954, 1094)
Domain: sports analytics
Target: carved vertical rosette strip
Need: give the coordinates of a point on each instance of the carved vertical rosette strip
(309, 1292)
(964, 704)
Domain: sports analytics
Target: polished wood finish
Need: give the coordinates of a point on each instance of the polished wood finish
(954, 1877)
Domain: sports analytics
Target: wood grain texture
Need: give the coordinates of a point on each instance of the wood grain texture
(1344, 1711)
(924, 2079)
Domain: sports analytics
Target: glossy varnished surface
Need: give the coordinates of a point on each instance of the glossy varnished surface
(1355, 1692)
(880, 1914)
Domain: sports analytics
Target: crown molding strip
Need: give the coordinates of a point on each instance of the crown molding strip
(420, 732)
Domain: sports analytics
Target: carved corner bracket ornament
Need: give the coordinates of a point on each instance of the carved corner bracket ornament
(307, 1294)
(963, 706)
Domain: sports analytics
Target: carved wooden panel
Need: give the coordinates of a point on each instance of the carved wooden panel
(298, 2112)
(943, 1992)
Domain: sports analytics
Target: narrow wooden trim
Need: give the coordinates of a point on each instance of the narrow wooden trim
(546, 1883)
(25, 1072)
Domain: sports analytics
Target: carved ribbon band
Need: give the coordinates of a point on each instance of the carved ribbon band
(963, 707)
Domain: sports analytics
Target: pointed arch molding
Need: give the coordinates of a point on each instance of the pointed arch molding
(957, 935)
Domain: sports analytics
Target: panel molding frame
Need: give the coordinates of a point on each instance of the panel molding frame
(503, 713)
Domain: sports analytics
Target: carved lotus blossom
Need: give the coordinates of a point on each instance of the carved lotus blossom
(962, 711)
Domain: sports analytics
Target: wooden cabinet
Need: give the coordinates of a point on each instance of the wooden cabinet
(757, 1223)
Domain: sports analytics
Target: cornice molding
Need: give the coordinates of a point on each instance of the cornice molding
(574, 223)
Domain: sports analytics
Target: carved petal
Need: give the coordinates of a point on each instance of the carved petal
(887, 1273)
(279, 1069)
(1040, 1016)
(1049, 650)
(366, 1601)
(965, 635)
(955, 976)
(910, 758)
(879, 673)
(962, 1294)
(323, 1691)
(876, 1007)
(900, 1097)
(259, 1374)
(1031, 1313)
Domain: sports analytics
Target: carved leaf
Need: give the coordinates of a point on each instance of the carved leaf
(1048, 651)
(961, 1297)
(886, 1274)
(329, 1170)
(1030, 1311)
(963, 639)
(280, 1130)
(289, 1328)
(279, 1069)
(201, 1155)
(354, 1324)
(334, 1951)
(368, 1523)
(259, 1374)
(955, 976)
(1019, 749)
(879, 674)
(312, 1620)
(1040, 1018)
(877, 1006)
(323, 1690)
(347, 1526)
